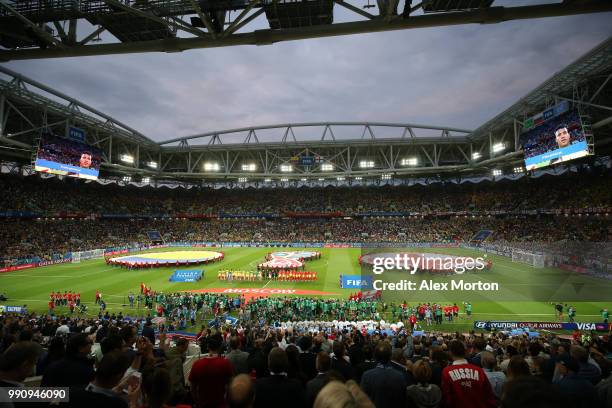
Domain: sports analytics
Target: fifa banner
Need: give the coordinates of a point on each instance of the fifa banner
(356, 282)
(12, 309)
(191, 275)
(497, 325)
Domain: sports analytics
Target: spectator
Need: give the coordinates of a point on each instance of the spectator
(338, 395)
(76, 368)
(465, 384)
(175, 358)
(576, 391)
(241, 392)
(340, 361)
(307, 357)
(157, 389)
(210, 376)
(423, 394)
(496, 378)
(385, 386)
(102, 391)
(314, 386)
(531, 392)
(18, 362)
(277, 390)
(148, 331)
(479, 346)
(295, 370)
(398, 362)
(518, 367)
(589, 370)
(237, 357)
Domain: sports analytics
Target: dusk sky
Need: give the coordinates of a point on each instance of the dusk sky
(457, 76)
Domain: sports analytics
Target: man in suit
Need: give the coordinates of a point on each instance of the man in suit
(307, 357)
(339, 361)
(385, 385)
(237, 357)
(278, 390)
(398, 362)
(323, 365)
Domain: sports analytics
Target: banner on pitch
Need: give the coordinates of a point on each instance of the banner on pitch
(356, 282)
(191, 275)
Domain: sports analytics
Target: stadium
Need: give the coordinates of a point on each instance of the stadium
(375, 262)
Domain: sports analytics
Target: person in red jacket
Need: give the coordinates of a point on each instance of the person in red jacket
(413, 321)
(465, 385)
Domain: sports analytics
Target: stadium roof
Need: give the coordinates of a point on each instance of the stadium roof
(596, 62)
(35, 28)
(334, 149)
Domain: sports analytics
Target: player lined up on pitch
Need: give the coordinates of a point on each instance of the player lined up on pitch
(270, 274)
(68, 299)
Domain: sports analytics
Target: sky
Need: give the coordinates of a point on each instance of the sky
(457, 76)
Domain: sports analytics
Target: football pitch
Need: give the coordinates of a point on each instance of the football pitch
(526, 293)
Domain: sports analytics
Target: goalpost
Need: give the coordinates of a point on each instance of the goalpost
(530, 258)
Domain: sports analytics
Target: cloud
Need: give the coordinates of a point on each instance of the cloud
(457, 76)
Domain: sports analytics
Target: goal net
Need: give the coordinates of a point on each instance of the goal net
(529, 258)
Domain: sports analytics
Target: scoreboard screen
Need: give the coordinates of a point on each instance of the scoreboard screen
(553, 137)
(61, 156)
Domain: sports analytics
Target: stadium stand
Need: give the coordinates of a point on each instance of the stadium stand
(35, 227)
(298, 350)
(303, 357)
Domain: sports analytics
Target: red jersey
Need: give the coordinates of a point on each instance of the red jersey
(466, 385)
(211, 375)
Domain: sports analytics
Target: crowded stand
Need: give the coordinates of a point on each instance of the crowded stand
(289, 350)
(117, 361)
(565, 192)
(85, 216)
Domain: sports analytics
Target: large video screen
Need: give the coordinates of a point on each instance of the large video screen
(557, 140)
(67, 157)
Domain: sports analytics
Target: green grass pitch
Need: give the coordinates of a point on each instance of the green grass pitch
(516, 302)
